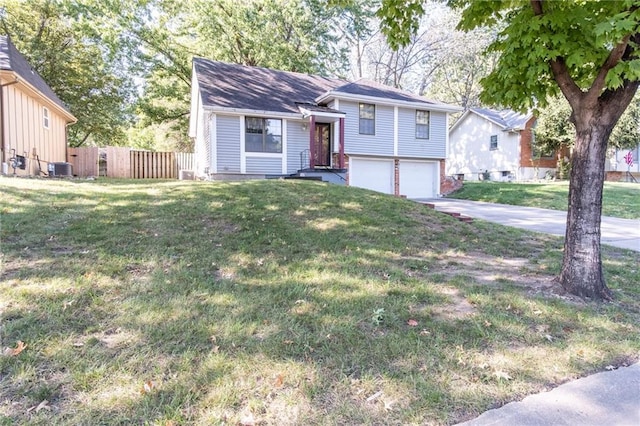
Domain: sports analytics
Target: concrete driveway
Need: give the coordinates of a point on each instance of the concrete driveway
(623, 233)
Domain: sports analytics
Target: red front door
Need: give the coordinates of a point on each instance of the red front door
(322, 152)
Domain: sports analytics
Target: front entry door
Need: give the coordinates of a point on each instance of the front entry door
(322, 152)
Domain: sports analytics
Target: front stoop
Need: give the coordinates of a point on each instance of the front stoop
(460, 217)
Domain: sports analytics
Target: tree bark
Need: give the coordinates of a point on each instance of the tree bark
(594, 119)
(581, 272)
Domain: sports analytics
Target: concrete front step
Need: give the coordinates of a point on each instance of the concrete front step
(460, 217)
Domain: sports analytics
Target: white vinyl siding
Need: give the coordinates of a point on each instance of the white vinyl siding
(228, 143)
(297, 141)
(470, 153)
(263, 165)
(410, 146)
(379, 144)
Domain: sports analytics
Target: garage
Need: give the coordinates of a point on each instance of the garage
(418, 179)
(374, 174)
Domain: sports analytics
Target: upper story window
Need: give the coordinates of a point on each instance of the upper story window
(494, 142)
(367, 119)
(263, 135)
(422, 124)
(45, 117)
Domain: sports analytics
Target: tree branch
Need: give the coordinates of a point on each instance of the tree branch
(559, 68)
(614, 57)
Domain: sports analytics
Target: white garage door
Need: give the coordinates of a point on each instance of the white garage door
(418, 179)
(371, 174)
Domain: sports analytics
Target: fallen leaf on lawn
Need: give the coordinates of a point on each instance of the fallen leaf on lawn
(537, 312)
(20, 346)
(375, 396)
(279, 381)
(44, 405)
(388, 405)
(425, 332)
(412, 323)
(610, 368)
(215, 349)
(502, 375)
(487, 324)
(147, 387)
(288, 342)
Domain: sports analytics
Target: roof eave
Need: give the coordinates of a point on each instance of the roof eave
(386, 101)
(71, 119)
(255, 112)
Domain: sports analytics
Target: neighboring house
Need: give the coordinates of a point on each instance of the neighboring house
(250, 122)
(617, 167)
(33, 120)
(498, 145)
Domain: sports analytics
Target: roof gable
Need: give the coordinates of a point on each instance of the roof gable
(507, 119)
(12, 60)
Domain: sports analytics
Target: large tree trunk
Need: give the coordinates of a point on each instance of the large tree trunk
(582, 265)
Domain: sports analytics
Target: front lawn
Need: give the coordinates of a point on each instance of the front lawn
(619, 199)
(282, 302)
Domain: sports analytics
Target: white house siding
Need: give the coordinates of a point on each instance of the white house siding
(470, 154)
(264, 165)
(379, 144)
(297, 141)
(616, 161)
(409, 146)
(228, 144)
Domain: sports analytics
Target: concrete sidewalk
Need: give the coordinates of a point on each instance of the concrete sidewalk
(609, 398)
(623, 233)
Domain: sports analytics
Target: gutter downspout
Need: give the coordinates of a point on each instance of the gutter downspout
(2, 127)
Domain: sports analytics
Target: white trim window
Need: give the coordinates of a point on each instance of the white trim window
(493, 142)
(263, 135)
(45, 117)
(367, 119)
(423, 119)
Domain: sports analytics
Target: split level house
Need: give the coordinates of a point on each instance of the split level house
(497, 145)
(250, 122)
(33, 120)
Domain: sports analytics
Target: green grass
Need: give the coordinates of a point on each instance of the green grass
(619, 199)
(282, 302)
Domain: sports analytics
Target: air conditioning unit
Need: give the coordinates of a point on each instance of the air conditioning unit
(187, 175)
(60, 169)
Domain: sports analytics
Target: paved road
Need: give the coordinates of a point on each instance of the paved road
(624, 233)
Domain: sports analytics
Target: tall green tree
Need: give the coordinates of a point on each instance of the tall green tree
(80, 69)
(589, 51)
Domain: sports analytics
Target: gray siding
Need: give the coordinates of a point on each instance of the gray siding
(379, 144)
(409, 146)
(228, 139)
(297, 141)
(262, 165)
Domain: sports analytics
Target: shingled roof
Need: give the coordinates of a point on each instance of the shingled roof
(12, 60)
(506, 118)
(234, 86)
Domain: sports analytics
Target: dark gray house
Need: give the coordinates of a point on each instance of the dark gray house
(250, 122)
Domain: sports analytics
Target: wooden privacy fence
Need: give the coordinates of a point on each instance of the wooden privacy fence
(128, 163)
(153, 165)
